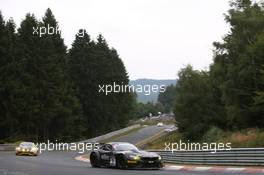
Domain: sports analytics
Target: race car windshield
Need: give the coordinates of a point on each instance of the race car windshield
(125, 147)
(26, 144)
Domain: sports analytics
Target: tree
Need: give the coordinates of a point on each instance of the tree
(50, 108)
(58, 100)
(9, 74)
(256, 53)
(192, 110)
(167, 98)
(238, 63)
(47, 93)
(94, 64)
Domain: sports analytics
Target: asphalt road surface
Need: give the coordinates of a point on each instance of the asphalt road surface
(63, 163)
(142, 134)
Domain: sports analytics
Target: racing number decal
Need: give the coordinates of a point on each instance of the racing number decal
(104, 157)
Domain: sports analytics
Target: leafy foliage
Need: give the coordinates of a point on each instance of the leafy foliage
(230, 95)
(191, 103)
(167, 98)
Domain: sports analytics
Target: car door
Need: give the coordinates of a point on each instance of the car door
(105, 154)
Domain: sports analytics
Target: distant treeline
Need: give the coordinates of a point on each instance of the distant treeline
(151, 97)
(49, 92)
(230, 95)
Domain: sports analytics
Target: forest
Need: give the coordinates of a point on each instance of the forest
(50, 92)
(229, 96)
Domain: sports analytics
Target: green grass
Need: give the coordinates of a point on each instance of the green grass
(11, 142)
(160, 142)
(247, 138)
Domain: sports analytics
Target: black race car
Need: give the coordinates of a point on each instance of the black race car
(124, 155)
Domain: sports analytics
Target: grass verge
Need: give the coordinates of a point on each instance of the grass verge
(247, 138)
(159, 143)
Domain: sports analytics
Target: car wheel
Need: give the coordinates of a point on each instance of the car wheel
(121, 162)
(94, 160)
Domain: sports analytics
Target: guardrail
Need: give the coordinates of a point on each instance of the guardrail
(235, 156)
(7, 147)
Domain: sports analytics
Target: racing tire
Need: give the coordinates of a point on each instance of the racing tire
(94, 161)
(121, 162)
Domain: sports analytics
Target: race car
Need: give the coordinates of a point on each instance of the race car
(27, 148)
(124, 155)
(160, 124)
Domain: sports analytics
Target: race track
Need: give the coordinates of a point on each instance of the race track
(64, 163)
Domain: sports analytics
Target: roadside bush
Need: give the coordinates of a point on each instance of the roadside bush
(213, 134)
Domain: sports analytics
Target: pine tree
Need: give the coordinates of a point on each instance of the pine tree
(83, 72)
(8, 74)
(94, 64)
(58, 100)
(49, 102)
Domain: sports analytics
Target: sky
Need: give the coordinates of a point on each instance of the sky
(154, 38)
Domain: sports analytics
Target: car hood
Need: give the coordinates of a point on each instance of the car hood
(25, 147)
(139, 153)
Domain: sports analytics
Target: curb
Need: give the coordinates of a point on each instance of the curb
(190, 168)
(82, 158)
(215, 169)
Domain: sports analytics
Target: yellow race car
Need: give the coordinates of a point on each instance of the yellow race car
(27, 148)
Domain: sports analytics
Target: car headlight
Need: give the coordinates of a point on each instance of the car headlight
(159, 157)
(34, 149)
(134, 157)
(18, 148)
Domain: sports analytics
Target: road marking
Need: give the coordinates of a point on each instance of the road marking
(197, 169)
(235, 169)
(81, 158)
(202, 168)
(174, 167)
(253, 170)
